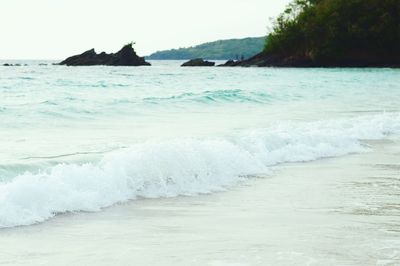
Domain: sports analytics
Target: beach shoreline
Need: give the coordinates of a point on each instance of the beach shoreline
(326, 212)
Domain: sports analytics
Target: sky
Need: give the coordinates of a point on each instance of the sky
(56, 29)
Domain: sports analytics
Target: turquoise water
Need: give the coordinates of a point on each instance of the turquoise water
(84, 138)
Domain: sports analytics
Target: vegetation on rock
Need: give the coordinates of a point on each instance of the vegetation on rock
(338, 32)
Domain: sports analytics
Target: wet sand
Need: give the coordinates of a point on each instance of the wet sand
(338, 211)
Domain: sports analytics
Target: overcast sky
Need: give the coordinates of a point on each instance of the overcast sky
(55, 29)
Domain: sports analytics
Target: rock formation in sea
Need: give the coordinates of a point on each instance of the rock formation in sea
(198, 62)
(125, 57)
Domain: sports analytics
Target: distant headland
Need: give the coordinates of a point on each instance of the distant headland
(217, 50)
(125, 57)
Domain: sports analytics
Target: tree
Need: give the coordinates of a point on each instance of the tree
(337, 30)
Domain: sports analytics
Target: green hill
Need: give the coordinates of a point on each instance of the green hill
(218, 50)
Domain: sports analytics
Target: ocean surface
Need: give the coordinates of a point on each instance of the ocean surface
(78, 139)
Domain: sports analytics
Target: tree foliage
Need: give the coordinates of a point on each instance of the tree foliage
(326, 30)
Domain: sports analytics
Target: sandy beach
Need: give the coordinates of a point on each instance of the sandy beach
(140, 133)
(339, 211)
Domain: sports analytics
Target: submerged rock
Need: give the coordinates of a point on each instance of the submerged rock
(198, 62)
(125, 57)
(13, 65)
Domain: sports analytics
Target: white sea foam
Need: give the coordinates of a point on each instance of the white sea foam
(181, 167)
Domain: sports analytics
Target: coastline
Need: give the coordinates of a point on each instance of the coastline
(327, 212)
(275, 60)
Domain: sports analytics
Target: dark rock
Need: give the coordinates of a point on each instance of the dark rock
(125, 57)
(230, 63)
(264, 60)
(6, 64)
(351, 60)
(198, 62)
(42, 64)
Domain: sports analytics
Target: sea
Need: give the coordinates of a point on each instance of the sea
(83, 139)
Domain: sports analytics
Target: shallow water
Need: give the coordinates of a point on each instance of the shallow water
(85, 138)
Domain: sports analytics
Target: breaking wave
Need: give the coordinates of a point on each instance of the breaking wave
(181, 167)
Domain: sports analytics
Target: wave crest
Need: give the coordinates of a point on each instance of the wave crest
(181, 167)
